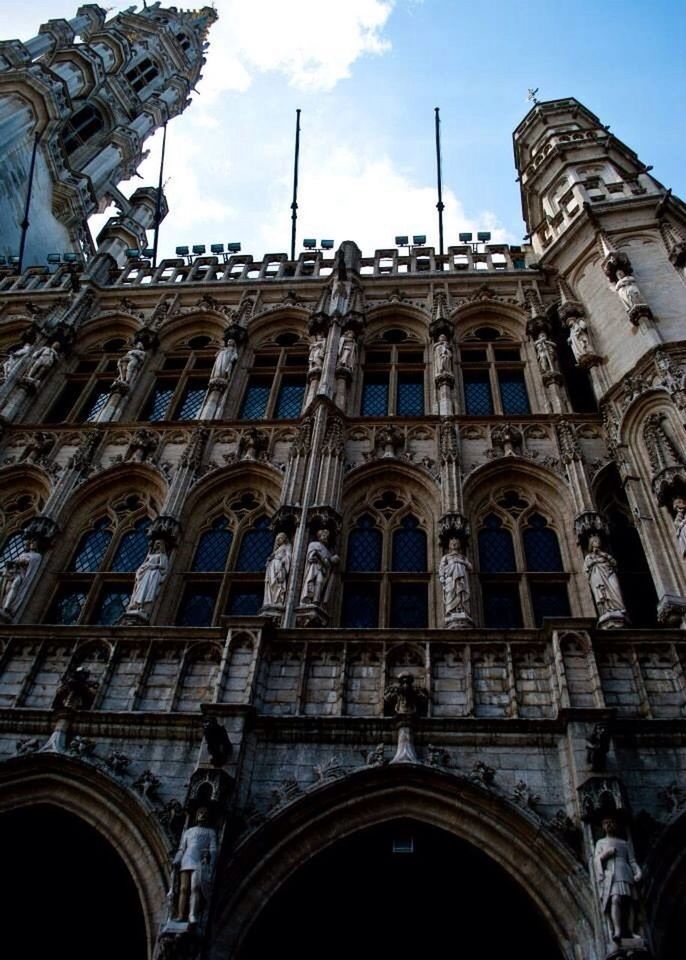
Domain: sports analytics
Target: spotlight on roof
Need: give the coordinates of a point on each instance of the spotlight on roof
(483, 236)
(419, 239)
(13, 260)
(402, 241)
(327, 244)
(182, 251)
(309, 243)
(216, 248)
(466, 237)
(148, 252)
(233, 247)
(54, 258)
(70, 257)
(132, 253)
(199, 248)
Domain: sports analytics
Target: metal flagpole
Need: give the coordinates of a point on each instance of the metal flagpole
(294, 205)
(27, 207)
(440, 205)
(158, 203)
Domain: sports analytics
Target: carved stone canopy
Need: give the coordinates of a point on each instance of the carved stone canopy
(453, 525)
(324, 518)
(590, 524)
(286, 519)
(165, 528)
(42, 530)
(615, 261)
(668, 484)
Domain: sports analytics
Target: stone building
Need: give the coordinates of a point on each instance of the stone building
(342, 598)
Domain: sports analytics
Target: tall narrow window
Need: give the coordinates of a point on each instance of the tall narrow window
(142, 74)
(181, 382)
(87, 385)
(492, 375)
(393, 383)
(81, 127)
(276, 383)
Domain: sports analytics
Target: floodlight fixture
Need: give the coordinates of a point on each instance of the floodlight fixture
(132, 253)
(419, 239)
(182, 251)
(54, 258)
(402, 241)
(466, 237)
(199, 248)
(3, 261)
(216, 248)
(70, 257)
(13, 260)
(309, 243)
(483, 236)
(234, 247)
(148, 252)
(327, 244)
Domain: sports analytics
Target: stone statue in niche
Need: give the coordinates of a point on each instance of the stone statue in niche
(453, 574)
(16, 579)
(42, 360)
(14, 359)
(600, 568)
(347, 350)
(546, 354)
(579, 340)
(224, 361)
(149, 578)
(597, 747)
(628, 292)
(443, 356)
(679, 508)
(617, 874)
(192, 870)
(130, 364)
(319, 565)
(316, 355)
(277, 572)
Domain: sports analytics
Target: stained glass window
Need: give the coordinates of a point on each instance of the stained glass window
(496, 553)
(159, 401)
(91, 550)
(549, 600)
(409, 546)
(364, 546)
(255, 400)
(501, 605)
(245, 600)
(96, 402)
(132, 548)
(213, 547)
(12, 547)
(477, 394)
(112, 604)
(68, 605)
(375, 395)
(541, 548)
(192, 401)
(290, 399)
(409, 607)
(197, 606)
(410, 395)
(256, 546)
(360, 605)
(513, 392)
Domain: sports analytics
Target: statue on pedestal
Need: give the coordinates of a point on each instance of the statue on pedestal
(42, 360)
(14, 358)
(277, 571)
(193, 866)
(546, 354)
(224, 361)
(617, 874)
(600, 568)
(316, 355)
(130, 363)
(16, 578)
(443, 356)
(319, 564)
(454, 577)
(149, 578)
(347, 351)
(679, 507)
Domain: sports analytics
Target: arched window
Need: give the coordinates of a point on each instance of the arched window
(141, 74)
(96, 586)
(386, 579)
(183, 41)
(277, 381)
(181, 381)
(226, 575)
(492, 375)
(393, 382)
(520, 566)
(81, 127)
(86, 387)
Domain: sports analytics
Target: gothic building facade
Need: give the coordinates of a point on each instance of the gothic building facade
(343, 598)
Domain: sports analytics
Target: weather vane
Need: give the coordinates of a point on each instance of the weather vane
(531, 95)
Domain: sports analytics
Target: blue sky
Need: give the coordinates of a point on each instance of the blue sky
(367, 75)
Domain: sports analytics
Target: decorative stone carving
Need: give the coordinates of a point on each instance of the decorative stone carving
(130, 364)
(27, 745)
(546, 355)
(117, 762)
(316, 355)
(482, 773)
(288, 790)
(147, 784)
(347, 353)
(149, 579)
(507, 441)
(666, 458)
(81, 746)
(331, 769)
(453, 574)
(437, 756)
(217, 740)
(76, 690)
(319, 564)
(629, 293)
(375, 756)
(449, 445)
(589, 523)
(406, 699)
(389, 441)
(277, 573)
(569, 444)
(617, 875)
(224, 360)
(524, 796)
(165, 528)
(38, 448)
(443, 358)
(600, 568)
(193, 867)
(16, 578)
(14, 360)
(42, 361)
(597, 747)
(673, 798)
(252, 444)
(143, 445)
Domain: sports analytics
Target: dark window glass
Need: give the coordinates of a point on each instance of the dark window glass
(290, 400)
(256, 546)
(255, 400)
(506, 353)
(12, 547)
(158, 402)
(296, 360)
(132, 549)
(501, 605)
(174, 363)
(68, 605)
(540, 546)
(409, 606)
(62, 407)
(192, 400)
(213, 547)
(409, 547)
(410, 395)
(496, 553)
(375, 395)
(82, 125)
(92, 548)
(360, 605)
(549, 600)
(113, 603)
(364, 546)
(96, 402)
(197, 606)
(513, 392)
(477, 393)
(142, 74)
(473, 356)
(245, 600)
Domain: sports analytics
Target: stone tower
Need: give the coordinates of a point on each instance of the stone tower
(86, 94)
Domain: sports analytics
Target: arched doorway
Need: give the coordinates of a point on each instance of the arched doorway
(67, 891)
(401, 888)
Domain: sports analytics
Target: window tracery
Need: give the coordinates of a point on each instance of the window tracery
(181, 381)
(393, 383)
(492, 374)
(81, 127)
(141, 74)
(276, 381)
(15, 512)
(86, 387)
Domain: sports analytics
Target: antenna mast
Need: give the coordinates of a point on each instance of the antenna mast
(440, 205)
(158, 202)
(294, 205)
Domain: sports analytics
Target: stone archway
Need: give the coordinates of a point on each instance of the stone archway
(521, 852)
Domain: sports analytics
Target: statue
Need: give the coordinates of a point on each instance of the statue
(224, 361)
(14, 358)
(679, 507)
(318, 564)
(443, 356)
(628, 292)
(579, 339)
(453, 574)
(600, 568)
(597, 746)
(129, 365)
(42, 360)
(192, 869)
(217, 740)
(149, 578)
(546, 354)
(17, 577)
(406, 700)
(277, 571)
(347, 351)
(617, 874)
(317, 350)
